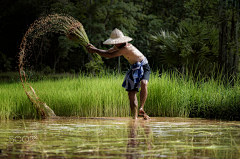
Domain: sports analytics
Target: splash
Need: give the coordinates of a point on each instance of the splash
(55, 23)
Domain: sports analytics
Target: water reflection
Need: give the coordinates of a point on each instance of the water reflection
(139, 137)
(120, 138)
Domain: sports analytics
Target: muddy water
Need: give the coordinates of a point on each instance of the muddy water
(120, 138)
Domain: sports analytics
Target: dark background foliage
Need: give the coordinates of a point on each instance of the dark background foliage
(139, 19)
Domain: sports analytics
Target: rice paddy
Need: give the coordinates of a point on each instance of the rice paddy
(161, 137)
(103, 96)
(94, 119)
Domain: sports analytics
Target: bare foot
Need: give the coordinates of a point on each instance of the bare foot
(146, 117)
(142, 112)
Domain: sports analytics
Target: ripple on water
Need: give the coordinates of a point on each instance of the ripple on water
(120, 137)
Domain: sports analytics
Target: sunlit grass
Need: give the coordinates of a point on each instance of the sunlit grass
(171, 95)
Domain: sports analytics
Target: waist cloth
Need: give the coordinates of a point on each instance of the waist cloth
(136, 73)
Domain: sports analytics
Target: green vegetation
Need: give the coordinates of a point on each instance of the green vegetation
(172, 95)
(211, 19)
(194, 47)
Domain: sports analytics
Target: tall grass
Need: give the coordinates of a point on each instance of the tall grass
(171, 95)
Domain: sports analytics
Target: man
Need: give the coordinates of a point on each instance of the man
(139, 71)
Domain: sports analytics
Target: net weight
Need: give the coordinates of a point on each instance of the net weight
(24, 139)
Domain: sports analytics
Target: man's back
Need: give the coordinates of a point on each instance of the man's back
(131, 53)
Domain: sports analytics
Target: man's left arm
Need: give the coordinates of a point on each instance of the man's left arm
(106, 53)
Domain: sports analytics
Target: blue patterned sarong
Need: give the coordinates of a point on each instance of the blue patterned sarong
(134, 75)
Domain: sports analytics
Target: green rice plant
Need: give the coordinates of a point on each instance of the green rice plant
(172, 95)
(14, 103)
(85, 96)
(76, 33)
(175, 95)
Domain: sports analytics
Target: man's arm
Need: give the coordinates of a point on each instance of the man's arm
(105, 53)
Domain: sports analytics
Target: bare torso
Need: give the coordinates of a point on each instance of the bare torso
(130, 52)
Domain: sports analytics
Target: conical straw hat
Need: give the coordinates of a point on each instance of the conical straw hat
(117, 37)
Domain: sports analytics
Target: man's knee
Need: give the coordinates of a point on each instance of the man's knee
(144, 83)
(131, 94)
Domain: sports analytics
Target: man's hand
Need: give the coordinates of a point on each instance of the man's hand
(91, 49)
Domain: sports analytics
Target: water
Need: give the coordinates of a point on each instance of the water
(120, 138)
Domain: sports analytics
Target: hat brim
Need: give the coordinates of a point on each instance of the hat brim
(111, 41)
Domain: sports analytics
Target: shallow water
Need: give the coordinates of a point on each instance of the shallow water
(120, 138)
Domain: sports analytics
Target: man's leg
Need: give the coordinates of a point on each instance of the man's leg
(143, 97)
(133, 103)
(143, 93)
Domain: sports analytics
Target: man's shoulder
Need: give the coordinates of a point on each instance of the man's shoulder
(127, 46)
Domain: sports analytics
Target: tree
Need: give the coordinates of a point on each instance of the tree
(203, 10)
(228, 37)
(194, 47)
(101, 17)
(225, 15)
(156, 15)
(5, 62)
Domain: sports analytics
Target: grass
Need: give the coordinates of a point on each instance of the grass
(102, 96)
(174, 96)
